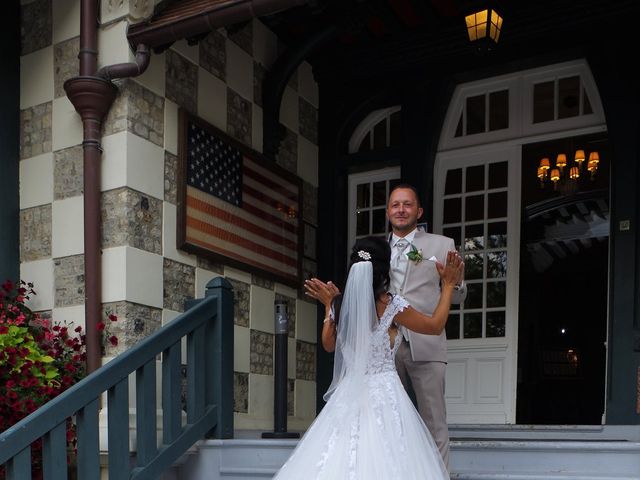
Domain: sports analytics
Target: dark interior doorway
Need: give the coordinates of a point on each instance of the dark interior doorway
(563, 287)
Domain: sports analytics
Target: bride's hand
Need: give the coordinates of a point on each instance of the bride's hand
(325, 293)
(451, 272)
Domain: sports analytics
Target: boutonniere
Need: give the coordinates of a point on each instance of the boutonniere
(415, 255)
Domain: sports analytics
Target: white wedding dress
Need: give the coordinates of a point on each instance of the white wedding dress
(369, 428)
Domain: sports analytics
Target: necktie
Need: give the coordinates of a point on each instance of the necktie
(401, 245)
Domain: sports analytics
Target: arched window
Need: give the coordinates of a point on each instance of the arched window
(380, 129)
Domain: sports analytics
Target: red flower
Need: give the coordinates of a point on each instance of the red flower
(113, 318)
(100, 326)
(3, 329)
(113, 340)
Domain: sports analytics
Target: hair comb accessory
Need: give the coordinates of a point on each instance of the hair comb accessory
(364, 255)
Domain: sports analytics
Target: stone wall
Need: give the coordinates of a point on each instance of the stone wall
(146, 279)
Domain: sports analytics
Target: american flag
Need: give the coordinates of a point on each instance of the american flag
(238, 208)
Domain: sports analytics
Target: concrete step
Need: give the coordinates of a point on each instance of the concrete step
(499, 453)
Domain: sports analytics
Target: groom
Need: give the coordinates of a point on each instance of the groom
(421, 359)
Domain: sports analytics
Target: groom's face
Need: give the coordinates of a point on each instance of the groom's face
(403, 210)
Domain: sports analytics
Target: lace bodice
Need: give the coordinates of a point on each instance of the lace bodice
(381, 354)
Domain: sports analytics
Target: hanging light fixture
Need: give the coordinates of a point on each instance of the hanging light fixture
(556, 173)
(484, 26)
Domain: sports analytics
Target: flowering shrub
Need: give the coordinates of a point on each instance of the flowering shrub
(38, 360)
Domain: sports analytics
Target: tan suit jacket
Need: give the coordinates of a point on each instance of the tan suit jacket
(421, 288)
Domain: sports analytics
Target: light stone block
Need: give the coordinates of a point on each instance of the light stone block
(291, 358)
(113, 168)
(36, 180)
(261, 309)
(71, 315)
(212, 99)
(144, 277)
(192, 52)
(306, 321)
(171, 126)
(131, 161)
(202, 278)
(239, 70)
(169, 217)
(132, 275)
(66, 20)
(241, 348)
(236, 274)
(307, 161)
(40, 273)
(256, 128)
(113, 46)
(289, 110)
(265, 44)
(154, 78)
(67, 125)
(261, 396)
(307, 86)
(285, 290)
(305, 399)
(67, 227)
(114, 274)
(145, 166)
(36, 77)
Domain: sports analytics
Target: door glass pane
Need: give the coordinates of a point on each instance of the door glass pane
(473, 266)
(362, 222)
(474, 208)
(497, 235)
(365, 145)
(395, 133)
(452, 210)
(543, 102)
(379, 193)
(453, 184)
(379, 221)
(475, 114)
(586, 107)
(475, 178)
(496, 294)
(453, 326)
(474, 296)
(474, 237)
(496, 324)
(380, 135)
(362, 194)
(455, 233)
(472, 325)
(459, 127)
(569, 97)
(497, 205)
(498, 175)
(498, 110)
(496, 264)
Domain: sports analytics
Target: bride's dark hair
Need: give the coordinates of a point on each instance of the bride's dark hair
(380, 253)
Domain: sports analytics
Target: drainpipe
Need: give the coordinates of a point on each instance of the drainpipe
(92, 95)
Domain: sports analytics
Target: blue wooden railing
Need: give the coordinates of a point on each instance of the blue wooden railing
(208, 328)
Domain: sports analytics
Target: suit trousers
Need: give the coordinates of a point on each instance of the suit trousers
(427, 380)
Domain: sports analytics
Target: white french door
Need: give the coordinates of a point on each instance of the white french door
(368, 193)
(477, 203)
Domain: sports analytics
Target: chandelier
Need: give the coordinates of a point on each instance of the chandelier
(562, 172)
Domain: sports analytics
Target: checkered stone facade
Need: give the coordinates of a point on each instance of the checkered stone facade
(220, 80)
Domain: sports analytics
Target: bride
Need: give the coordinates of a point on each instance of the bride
(369, 429)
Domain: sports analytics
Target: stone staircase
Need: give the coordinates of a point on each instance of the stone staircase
(477, 453)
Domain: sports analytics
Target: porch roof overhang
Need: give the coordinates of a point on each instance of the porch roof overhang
(193, 19)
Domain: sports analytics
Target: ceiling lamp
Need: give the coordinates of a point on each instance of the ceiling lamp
(483, 27)
(556, 173)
